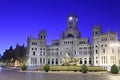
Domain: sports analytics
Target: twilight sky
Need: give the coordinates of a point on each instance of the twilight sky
(20, 18)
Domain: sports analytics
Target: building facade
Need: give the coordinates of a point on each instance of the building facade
(104, 50)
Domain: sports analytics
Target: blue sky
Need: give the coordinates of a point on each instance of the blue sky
(20, 18)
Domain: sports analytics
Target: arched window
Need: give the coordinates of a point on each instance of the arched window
(85, 61)
(33, 52)
(80, 60)
(89, 60)
(49, 61)
(56, 61)
(52, 61)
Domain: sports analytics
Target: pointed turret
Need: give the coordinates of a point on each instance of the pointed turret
(42, 34)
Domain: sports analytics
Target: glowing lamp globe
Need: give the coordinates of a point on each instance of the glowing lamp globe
(70, 18)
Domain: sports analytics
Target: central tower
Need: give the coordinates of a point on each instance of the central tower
(72, 21)
(71, 30)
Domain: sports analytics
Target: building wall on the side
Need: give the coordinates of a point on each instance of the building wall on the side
(37, 52)
(105, 49)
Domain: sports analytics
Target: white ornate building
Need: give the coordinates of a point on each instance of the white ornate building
(103, 51)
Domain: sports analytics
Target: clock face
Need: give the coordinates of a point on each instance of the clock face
(70, 18)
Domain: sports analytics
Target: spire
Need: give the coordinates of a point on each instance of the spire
(42, 34)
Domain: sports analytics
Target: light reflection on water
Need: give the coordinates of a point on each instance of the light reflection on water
(15, 75)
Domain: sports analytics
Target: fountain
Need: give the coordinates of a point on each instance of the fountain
(68, 61)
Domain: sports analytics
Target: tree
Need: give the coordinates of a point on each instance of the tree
(24, 67)
(16, 54)
(114, 69)
(84, 68)
(20, 51)
(46, 67)
(8, 55)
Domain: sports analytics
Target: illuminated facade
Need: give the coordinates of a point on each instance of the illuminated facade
(103, 51)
